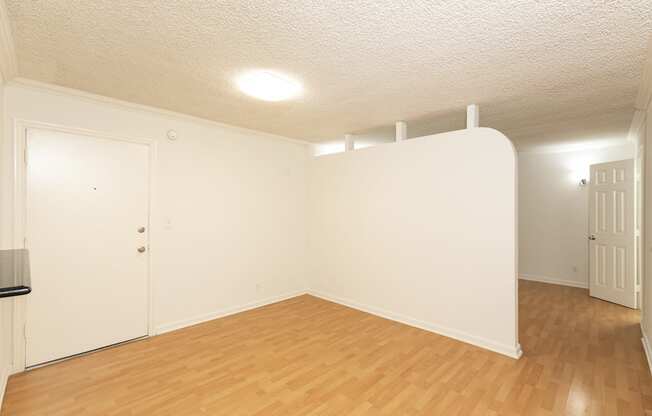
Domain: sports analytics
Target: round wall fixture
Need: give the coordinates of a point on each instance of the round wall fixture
(172, 135)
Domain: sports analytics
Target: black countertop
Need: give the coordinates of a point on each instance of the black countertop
(14, 273)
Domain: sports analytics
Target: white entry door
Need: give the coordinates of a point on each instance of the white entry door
(86, 230)
(612, 258)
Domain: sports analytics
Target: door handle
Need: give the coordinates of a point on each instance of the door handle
(591, 237)
(141, 249)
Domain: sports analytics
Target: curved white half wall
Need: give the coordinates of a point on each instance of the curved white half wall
(422, 231)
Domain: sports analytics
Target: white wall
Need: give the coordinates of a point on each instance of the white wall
(230, 218)
(228, 212)
(7, 304)
(644, 135)
(553, 212)
(422, 231)
(6, 342)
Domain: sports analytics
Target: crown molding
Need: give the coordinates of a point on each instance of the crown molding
(102, 99)
(8, 61)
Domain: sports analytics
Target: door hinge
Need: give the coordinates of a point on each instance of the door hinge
(25, 154)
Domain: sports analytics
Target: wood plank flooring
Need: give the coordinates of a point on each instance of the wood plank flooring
(306, 356)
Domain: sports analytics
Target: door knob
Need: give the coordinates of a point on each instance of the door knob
(141, 249)
(591, 237)
(141, 229)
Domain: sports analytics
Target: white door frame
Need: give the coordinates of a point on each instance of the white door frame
(20, 216)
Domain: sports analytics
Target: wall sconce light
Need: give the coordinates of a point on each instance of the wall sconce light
(583, 182)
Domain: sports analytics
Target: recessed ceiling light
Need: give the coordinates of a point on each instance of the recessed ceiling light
(268, 85)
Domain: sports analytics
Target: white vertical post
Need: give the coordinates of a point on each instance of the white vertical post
(349, 142)
(401, 131)
(472, 116)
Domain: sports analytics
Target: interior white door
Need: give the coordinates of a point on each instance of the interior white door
(86, 219)
(612, 258)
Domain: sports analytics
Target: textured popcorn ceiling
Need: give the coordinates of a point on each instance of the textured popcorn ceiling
(364, 63)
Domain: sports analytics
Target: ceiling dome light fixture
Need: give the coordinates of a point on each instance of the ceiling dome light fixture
(268, 86)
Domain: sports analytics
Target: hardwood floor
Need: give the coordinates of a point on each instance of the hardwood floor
(306, 356)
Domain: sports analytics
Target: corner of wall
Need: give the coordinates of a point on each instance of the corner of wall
(6, 343)
(7, 71)
(646, 348)
(4, 377)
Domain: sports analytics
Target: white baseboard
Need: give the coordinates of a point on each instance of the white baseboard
(508, 350)
(563, 282)
(647, 349)
(161, 329)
